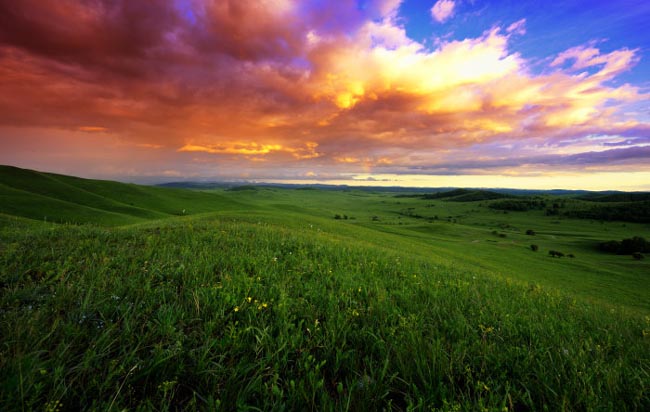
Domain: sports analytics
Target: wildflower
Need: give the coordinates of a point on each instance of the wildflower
(249, 299)
(166, 385)
(53, 406)
(236, 309)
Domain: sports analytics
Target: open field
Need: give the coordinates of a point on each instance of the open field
(119, 296)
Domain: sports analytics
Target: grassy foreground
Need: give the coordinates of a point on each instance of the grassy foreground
(229, 314)
(277, 309)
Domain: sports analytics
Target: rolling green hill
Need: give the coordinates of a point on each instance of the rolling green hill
(286, 299)
(58, 198)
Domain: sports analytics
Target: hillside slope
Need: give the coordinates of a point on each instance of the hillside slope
(58, 198)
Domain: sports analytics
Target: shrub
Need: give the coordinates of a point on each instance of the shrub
(611, 246)
(571, 255)
(555, 253)
(337, 216)
(637, 256)
(534, 248)
(634, 245)
(530, 232)
(626, 246)
(517, 205)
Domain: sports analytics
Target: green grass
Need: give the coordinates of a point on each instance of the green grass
(268, 303)
(66, 199)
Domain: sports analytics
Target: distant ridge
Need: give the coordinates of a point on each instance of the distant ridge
(321, 186)
(616, 197)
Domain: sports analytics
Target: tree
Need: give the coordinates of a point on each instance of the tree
(633, 245)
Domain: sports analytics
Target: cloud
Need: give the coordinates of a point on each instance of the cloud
(277, 87)
(248, 149)
(518, 27)
(443, 10)
(541, 163)
(588, 56)
(92, 129)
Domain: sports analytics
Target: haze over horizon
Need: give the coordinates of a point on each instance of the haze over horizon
(462, 93)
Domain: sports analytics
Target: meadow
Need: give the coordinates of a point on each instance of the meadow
(125, 297)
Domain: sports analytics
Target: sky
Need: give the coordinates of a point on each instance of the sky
(466, 93)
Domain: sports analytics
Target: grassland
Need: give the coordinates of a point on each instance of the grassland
(121, 297)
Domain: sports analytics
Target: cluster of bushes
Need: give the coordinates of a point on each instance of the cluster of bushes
(552, 253)
(518, 205)
(616, 197)
(555, 209)
(409, 212)
(465, 195)
(342, 217)
(633, 246)
(556, 253)
(638, 212)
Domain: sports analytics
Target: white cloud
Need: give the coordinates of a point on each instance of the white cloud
(518, 27)
(443, 10)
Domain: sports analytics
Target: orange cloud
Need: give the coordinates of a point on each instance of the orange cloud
(92, 129)
(308, 151)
